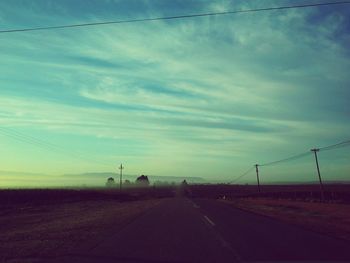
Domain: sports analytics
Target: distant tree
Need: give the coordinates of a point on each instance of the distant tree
(142, 180)
(184, 183)
(110, 182)
(127, 183)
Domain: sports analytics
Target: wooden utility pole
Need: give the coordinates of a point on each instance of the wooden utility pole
(121, 167)
(257, 176)
(318, 172)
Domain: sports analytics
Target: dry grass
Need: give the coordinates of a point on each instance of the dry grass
(29, 233)
(328, 218)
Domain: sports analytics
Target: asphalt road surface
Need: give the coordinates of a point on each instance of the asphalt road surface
(199, 230)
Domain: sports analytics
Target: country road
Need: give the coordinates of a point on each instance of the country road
(200, 230)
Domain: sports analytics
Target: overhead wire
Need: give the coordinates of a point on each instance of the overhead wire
(242, 175)
(294, 157)
(16, 135)
(172, 17)
(301, 155)
(45, 145)
(25, 139)
(335, 146)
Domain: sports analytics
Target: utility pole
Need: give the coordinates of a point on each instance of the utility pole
(121, 167)
(257, 176)
(318, 172)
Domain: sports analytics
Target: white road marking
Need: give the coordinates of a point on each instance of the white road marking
(220, 239)
(210, 222)
(194, 204)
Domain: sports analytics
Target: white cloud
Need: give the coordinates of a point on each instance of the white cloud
(229, 86)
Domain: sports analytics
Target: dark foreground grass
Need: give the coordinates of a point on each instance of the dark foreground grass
(39, 229)
(339, 193)
(332, 219)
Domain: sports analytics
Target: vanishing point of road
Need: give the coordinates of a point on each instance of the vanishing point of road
(201, 230)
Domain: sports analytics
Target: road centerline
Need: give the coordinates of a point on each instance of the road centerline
(220, 239)
(194, 204)
(209, 220)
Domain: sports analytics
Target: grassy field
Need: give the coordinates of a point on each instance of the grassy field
(338, 193)
(37, 225)
(328, 218)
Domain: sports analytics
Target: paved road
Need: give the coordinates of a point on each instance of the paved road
(185, 230)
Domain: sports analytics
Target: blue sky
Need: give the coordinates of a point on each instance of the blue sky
(203, 97)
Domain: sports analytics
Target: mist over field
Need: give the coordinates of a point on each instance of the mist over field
(29, 180)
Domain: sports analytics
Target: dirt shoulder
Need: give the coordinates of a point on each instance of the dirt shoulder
(31, 233)
(327, 218)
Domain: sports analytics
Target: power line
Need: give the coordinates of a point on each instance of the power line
(294, 157)
(172, 17)
(301, 155)
(46, 145)
(244, 174)
(335, 146)
(25, 139)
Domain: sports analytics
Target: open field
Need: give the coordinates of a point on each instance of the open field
(48, 223)
(339, 193)
(327, 218)
(10, 197)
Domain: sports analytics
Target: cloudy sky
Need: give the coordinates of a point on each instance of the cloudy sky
(207, 96)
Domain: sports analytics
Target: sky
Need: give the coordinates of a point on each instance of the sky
(207, 97)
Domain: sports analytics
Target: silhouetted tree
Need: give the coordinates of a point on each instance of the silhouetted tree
(110, 182)
(142, 180)
(127, 183)
(184, 183)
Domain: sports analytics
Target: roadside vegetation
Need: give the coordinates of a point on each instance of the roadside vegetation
(39, 225)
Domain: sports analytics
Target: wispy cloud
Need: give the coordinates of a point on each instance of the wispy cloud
(194, 89)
